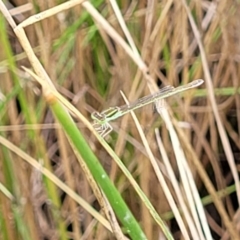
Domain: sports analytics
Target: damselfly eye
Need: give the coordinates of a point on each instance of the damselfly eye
(95, 115)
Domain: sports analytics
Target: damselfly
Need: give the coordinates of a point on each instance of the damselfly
(101, 120)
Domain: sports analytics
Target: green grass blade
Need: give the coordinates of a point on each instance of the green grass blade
(99, 174)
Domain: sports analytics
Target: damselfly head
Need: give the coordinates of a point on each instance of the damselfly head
(97, 116)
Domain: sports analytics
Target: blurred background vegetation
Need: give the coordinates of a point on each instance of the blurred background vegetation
(89, 68)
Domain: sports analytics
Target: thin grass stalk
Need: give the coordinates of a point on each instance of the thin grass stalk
(29, 116)
(226, 145)
(54, 179)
